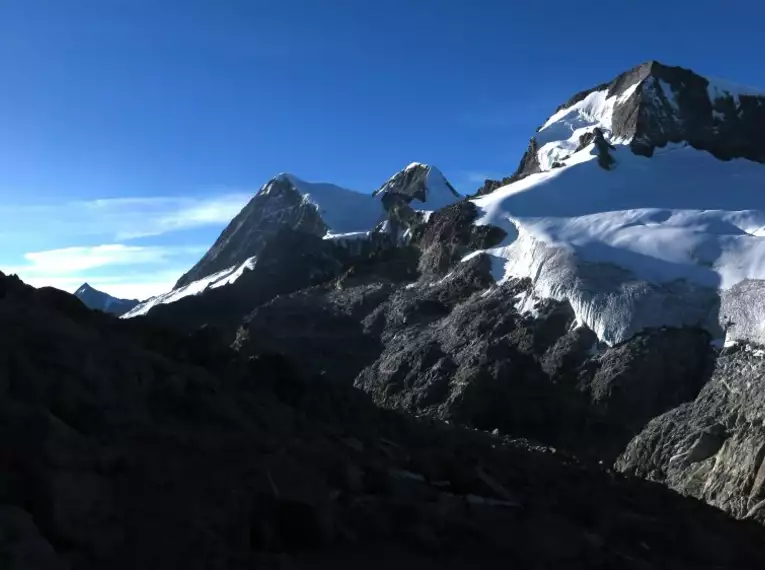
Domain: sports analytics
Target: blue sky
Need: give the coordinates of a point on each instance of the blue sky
(131, 131)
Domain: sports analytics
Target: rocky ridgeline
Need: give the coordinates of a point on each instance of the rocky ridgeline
(126, 445)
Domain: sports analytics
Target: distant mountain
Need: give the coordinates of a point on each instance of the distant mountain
(421, 183)
(285, 201)
(317, 209)
(95, 299)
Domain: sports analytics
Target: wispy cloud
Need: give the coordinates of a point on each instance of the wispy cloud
(121, 270)
(65, 244)
(117, 219)
(480, 176)
(130, 286)
(76, 259)
(143, 217)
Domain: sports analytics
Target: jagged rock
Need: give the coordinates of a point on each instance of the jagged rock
(22, 547)
(602, 147)
(288, 261)
(647, 375)
(675, 105)
(418, 182)
(449, 235)
(712, 447)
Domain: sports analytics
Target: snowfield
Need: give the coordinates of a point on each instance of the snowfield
(344, 211)
(214, 281)
(676, 239)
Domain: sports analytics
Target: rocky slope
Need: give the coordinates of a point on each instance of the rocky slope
(579, 303)
(126, 445)
(285, 201)
(95, 299)
(712, 447)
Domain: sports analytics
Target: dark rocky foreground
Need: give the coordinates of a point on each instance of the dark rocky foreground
(126, 445)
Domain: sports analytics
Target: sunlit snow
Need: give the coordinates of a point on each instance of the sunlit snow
(225, 277)
(680, 222)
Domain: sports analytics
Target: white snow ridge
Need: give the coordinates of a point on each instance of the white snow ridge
(673, 240)
(225, 277)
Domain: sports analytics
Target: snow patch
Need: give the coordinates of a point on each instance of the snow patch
(348, 236)
(721, 88)
(343, 210)
(214, 281)
(669, 94)
(558, 138)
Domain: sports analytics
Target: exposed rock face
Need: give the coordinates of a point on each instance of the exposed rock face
(288, 261)
(529, 163)
(673, 105)
(95, 299)
(656, 104)
(712, 447)
(288, 202)
(277, 205)
(419, 182)
(451, 347)
(449, 235)
(129, 446)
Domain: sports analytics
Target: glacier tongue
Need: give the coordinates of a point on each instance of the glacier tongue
(653, 242)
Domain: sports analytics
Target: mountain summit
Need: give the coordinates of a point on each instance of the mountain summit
(649, 107)
(285, 201)
(419, 182)
(657, 173)
(320, 209)
(95, 299)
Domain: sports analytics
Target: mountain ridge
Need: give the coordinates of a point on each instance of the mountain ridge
(320, 209)
(95, 299)
(582, 303)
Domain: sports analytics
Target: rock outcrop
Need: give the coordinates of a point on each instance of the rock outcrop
(127, 445)
(674, 104)
(712, 447)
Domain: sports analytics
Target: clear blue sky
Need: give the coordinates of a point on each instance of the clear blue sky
(172, 112)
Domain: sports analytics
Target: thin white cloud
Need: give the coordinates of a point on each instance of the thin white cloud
(132, 286)
(131, 218)
(77, 259)
(118, 269)
(108, 259)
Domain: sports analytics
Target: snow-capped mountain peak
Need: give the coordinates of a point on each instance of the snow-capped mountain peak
(649, 107)
(422, 183)
(84, 288)
(641, 202)
(285, 201)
